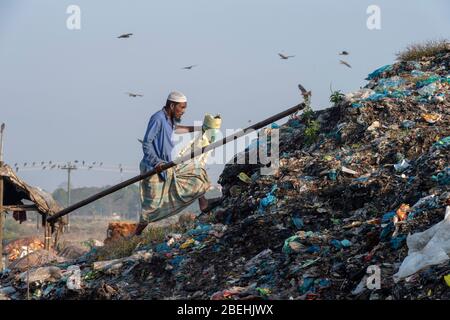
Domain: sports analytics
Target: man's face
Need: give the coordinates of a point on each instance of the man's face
(179, 110)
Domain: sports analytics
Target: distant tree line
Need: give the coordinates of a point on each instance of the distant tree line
(125, 202)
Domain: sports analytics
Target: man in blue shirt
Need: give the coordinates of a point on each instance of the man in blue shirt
(158, 145)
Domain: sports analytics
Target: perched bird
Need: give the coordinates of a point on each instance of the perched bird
(344, 53)
(53, 166)
(345, 63)
(49, 162)
(43, 168)
(134, 95)
(93, 163)
(125, 35)
(34, 163)
(189, 67)
(25, 164)
(142, 142)
(15, 164)
(17, 169)
(83, 162)
(284, 57)
(76, 161)
(101, 163)
(90, 167)
(42, 163)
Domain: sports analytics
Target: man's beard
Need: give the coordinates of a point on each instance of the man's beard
(176, 120)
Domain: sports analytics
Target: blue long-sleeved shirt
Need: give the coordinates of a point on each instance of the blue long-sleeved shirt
(157, 144)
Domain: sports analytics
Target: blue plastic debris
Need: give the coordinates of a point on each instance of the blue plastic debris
(443, 143)
(346, 243)
(323, 283)
(313, 249)
(397, 242)
(336, 243)
(176, 261)
(275, 126)
(387, 231)
(387, 217)
(379, 71)
(268, 200)
(200, 229)
(308, 284)
(298, 222)
(408, 124)
(332, 174)
(162, 248)
(443, 177)
(357, 105)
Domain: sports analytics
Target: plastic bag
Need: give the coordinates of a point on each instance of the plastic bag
(426, 248)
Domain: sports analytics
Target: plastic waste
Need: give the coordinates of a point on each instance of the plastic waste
(74, 279)
(408, 124)
(401, 166)
(379, 71)
(443, 143)
(244, 178)
(442, 178)
(292, 245)
(426, 248)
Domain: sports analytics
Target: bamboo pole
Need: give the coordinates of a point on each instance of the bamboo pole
(171, 164)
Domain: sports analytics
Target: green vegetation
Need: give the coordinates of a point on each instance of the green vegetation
(336, 97)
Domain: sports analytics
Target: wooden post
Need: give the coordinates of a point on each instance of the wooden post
(1, 197)
(1, 219)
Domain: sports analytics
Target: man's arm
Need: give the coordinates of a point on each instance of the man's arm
(153, 128)
(186, 129)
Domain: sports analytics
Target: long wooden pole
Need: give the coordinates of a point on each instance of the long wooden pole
(2, 127)
(171, 164)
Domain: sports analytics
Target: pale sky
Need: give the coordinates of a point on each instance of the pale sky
(62, 92)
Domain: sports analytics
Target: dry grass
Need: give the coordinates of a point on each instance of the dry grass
(418, 51)
(152, 235)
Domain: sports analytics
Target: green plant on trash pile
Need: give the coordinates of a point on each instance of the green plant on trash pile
(336, 97)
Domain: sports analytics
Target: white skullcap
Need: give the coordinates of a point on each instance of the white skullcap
(177, 96)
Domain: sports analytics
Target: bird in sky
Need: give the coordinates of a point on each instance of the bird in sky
(134, 95)
(345, 63)
(304, 92)
(344, 53)
(285, 57)
(189, 67)
(125, 36)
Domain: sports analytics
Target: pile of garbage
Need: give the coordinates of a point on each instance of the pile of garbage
(358, 209)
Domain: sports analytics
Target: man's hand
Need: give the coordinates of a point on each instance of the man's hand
(159, 165)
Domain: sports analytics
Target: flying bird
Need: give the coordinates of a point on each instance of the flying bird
(345, 63)
(125, 35)
(134, 95)
(189, 67)
(344, 53)
(284, 57)
(304, 92)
